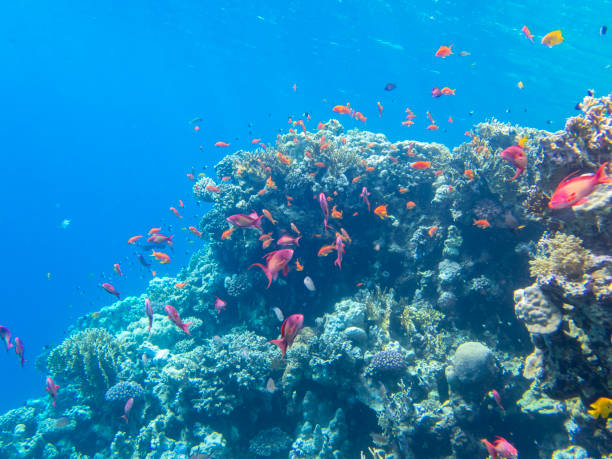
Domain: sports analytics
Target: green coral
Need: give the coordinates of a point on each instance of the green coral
(561, 255)
(89, 358)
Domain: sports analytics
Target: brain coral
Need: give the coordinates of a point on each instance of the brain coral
(89, 358)
(472, 367)
(124, 390)
(536, 311)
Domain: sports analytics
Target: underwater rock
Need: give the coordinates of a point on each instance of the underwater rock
(473, 368)
(538, 313)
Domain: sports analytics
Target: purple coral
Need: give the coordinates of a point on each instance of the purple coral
(385, 363)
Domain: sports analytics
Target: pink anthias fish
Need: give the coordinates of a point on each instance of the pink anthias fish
(19, 350)
(516, 156)
(497, 399)
(289, 330)
(285, 239)
(500, 448)
(149, 313)
(159, 238)
(52, 389)
(324, 209)
(364, 195)
(220, 305)
(575, 191)
(275, 262)
(111, 289)
(340, 251)
(246, 221)
(174, 316)
(127, 408)
(5, 334)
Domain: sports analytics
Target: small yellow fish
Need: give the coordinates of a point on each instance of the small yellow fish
(552, 38)
(520, 85)
(601, 408)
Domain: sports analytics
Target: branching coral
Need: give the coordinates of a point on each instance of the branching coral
(90, 358)
(561, 255)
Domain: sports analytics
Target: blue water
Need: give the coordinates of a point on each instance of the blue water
(97, 99)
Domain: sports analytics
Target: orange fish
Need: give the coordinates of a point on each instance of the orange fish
(270, 183)
(336, 213)
(438, 172)
(265, 244)
(430, 118)
(324, 146)
(213, 189)
(191, 177)
(409, 114)
(433, 127)
(447, 91)
(221, 144)
(254, 141)
(403, 190)
(181, 203)
(154, 230)
(319, 164)
(450, 119)
(369, 169)
(195, 231)
(482, 224)
(410, 205)
(326, 250)
(371, 145)
(320, 126)
(421, 165)
(228, 233)
(180, 285)
(345, 235)
(284, 158)
(393, 159)
(432, 231)
(307, 154)
(444, 51)
(343, 109)
(268, 215)
(408, 123)
(133, 239)
(381, 211)
(355, 214)
(294, 87)
(117, 269)
(261, 192)
(358, 284)
(527, 32)
(161, 257)
(469, 174)
(227, 178)
(175, 212)
(360, 117)
(298, 266)
(265, 236)
(552, 38)
(380, 109)
(356, 179)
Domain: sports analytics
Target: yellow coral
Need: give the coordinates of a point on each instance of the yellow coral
(561, 255)
(601, 408)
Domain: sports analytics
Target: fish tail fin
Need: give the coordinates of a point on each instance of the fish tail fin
(490, 448)
(282, 345)
(265, 270)
(185, 327)
(601, 176)
(257, 223)
(297, 240)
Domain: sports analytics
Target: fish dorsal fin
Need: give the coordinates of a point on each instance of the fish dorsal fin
(566, 179)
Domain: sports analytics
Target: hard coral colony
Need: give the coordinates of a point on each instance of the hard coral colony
(407, 335)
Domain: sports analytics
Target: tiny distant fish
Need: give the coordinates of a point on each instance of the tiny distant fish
(65, 223)
(603, 30)
(309, 284)
(390, 86)
(279, 314)
(197, 119)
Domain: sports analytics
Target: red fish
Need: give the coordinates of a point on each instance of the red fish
(340, 251)
(52, 389)
(501, 448)
(285, 239)
(195, 231)
(275, 262)
(289, 329)
(174, 316)
(246, 221)
(364, 195)
(19, 349)
(149, 313)
(220, 305)
(175, 212)
(110, 289)
(516, 156)
(497, 399)
(575, 191)
(5, 334)
(127, 408)
(324, 209)
(117, 269)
